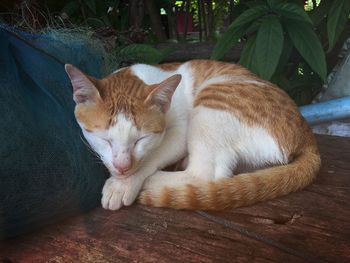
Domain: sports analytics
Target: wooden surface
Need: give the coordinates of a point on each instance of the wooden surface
(308, 226)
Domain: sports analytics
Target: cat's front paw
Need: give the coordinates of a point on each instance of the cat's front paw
(118, 192)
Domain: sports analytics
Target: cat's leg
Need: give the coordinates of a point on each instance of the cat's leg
(200, 166)
(117, 192)
(211, 136)
(123, 191)
(162, 179)
(211, 155)
(225, 164)
(203, 165)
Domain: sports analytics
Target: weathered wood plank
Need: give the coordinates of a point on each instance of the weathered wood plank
(309, 226)
(138, 234)
(315, 221)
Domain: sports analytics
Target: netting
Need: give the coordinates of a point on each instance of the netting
(47, 172)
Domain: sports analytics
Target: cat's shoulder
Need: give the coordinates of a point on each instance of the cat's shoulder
(152, 74)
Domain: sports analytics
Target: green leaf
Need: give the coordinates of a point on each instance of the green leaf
(141, 53)
(249, 16)
(254, 26)
(292, 11)
(269, 43)
(248, 54)
(286, 51)
(337, 17)
(308, 45)
(236, 30)
(91, 4)
(166, 52)
(229, 38)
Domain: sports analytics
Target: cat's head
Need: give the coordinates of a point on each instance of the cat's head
(122, 118)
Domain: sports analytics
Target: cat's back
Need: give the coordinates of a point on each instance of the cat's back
(230, 86)
(256, 102)
(221, 85)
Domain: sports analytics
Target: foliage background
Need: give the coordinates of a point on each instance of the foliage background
(291, 43)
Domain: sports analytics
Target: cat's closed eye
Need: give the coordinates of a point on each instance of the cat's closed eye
(108, 141)
(141, 138)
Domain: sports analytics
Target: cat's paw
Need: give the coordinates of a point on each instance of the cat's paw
(118, 192)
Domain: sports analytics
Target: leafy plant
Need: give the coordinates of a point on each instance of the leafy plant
(271, 22)
(337, 17)
(282, 41)
(140, 53)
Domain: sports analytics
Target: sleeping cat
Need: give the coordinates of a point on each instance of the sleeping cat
(245, 138)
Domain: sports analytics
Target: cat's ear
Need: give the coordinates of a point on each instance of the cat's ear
(84, 89)
(162, 94)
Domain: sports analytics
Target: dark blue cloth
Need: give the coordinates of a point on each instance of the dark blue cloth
(46, 171)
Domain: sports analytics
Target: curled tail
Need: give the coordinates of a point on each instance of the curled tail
(240, 190)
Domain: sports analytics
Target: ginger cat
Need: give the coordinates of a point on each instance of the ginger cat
(143, 118)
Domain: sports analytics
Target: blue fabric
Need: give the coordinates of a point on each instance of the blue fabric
(46, 171)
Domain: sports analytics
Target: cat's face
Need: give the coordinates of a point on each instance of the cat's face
(122, 118)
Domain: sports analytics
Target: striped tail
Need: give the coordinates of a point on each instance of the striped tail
(241, 190)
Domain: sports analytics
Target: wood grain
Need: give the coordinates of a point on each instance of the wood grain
(309, 226)
(314, 222)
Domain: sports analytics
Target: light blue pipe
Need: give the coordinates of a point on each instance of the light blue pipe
(327, 111)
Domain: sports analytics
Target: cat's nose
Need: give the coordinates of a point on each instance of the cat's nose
(122, 162)
(122, 167)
